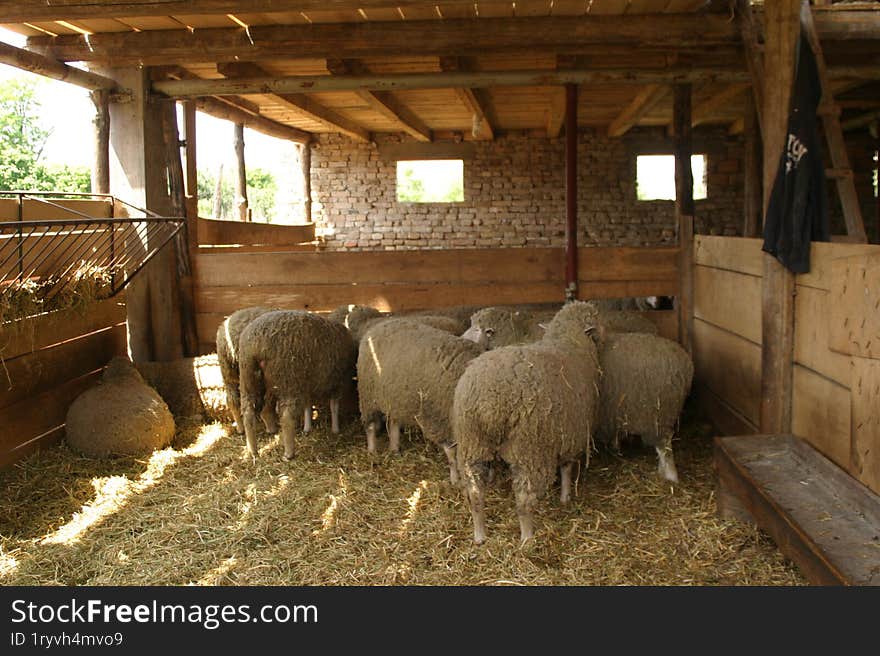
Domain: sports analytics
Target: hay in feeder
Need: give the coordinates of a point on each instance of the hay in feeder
(77, 290)
(203, 512)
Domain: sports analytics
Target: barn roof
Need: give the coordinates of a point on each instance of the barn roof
(436, 70)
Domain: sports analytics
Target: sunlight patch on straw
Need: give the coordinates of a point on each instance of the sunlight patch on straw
(112, 492)
(328, 517)
(212, 577)
(413, 507)
(8, 564)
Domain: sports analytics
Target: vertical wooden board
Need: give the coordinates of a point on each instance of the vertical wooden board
(812, 320)
(822, 257)
(729, 300)
(730, 367)
(866, 422)
(730, 253)
(666, 322)
(855, 316)
(821, 414)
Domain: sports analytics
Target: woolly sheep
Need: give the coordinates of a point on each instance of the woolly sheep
(299, 358)
(623, 321)
(407, 372)
(645, 381)
(228, 335)
(460, 314)
(505, 326)
(121, 416)
(535, 407)
(357, 318)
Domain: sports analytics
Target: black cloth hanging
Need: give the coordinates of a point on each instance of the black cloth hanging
(798, 209)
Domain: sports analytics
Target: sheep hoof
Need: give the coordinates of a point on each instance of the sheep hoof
(287, 457)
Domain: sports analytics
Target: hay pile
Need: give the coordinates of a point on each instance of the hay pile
(202, 512)
(82, 287)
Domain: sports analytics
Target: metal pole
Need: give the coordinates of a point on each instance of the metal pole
(571, 222)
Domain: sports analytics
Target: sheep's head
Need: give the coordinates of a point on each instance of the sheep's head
(496, 326)
(577, 322)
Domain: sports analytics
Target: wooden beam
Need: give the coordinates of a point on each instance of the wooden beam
(858, 122)
(305, 161)
(370, 39)
(466, 80)
(555, 112)
(682, 146)
(227, 112)
(241, 199)
(752, 187)
(299, 102)
(47, 67)
(706, 108)
(101, 165)
(754, 59)
(644, 102)
(571, 195)
(16, 11)
(782, 25)
(481, 128)
(384, 103)
(192, 174)
(234, 108)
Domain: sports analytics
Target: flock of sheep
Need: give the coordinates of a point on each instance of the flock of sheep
(527, 386)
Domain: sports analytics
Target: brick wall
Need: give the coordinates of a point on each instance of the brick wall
(514, 190)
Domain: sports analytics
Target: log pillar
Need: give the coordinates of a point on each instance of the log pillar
(682, 147)
(101, 164)
(241, 199)
(305, 161)
(782, 30)
(191, 174)
(571, 198)
(138, 175)
(753, 199)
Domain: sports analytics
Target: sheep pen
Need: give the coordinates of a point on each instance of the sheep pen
(202, 511)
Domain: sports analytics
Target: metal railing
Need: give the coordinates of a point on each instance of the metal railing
(46, 257)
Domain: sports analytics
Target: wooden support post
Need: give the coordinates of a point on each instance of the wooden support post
(101, 165)
(684, 211)
(305, 160)
(183, 270)
(782, 25)
(571, 196)
(192, 175)
(753, 199)
(241, 200)
(138, 175)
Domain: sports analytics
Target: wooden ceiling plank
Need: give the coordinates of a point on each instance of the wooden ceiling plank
(644, 102)
(704, 110)
(300, 102)
(482, 125)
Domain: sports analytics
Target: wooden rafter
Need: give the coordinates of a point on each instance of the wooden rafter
(482, 126)
(16, 11)
(36, 63)
(556, 107)
(704, 110)
(353, 40)
(644, 102)
(300, 103)
(233, 108)
(383, 102)
(452, 80)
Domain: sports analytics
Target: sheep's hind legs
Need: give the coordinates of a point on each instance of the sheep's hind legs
(270, 419)
(289, 420)
(249, 420)
(565, 482)
(393, 436)
(449, 450)
(526, 500)
(334, 416)
(372, 429)
(475, 488)
(307, 419)
(666, 463)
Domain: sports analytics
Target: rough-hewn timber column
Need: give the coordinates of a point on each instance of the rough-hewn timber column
(138, 176)
(571, 220)
(101, 164)
(684, 211)
(782, 25)
(241, 199)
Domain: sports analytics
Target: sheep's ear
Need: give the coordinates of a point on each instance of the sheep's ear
(542, 326)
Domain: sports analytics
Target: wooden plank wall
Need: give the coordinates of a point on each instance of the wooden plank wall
(47, 361)
(407, 280)
(214, 232)
(827, 408)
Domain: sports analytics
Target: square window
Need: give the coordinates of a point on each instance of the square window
(430, 181)
(655, 177)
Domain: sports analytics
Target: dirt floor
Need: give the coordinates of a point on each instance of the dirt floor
(202, 512)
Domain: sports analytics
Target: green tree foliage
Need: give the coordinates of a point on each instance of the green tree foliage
(262, 188)
(22, 140)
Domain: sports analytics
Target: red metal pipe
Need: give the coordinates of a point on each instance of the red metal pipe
(571, 222)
